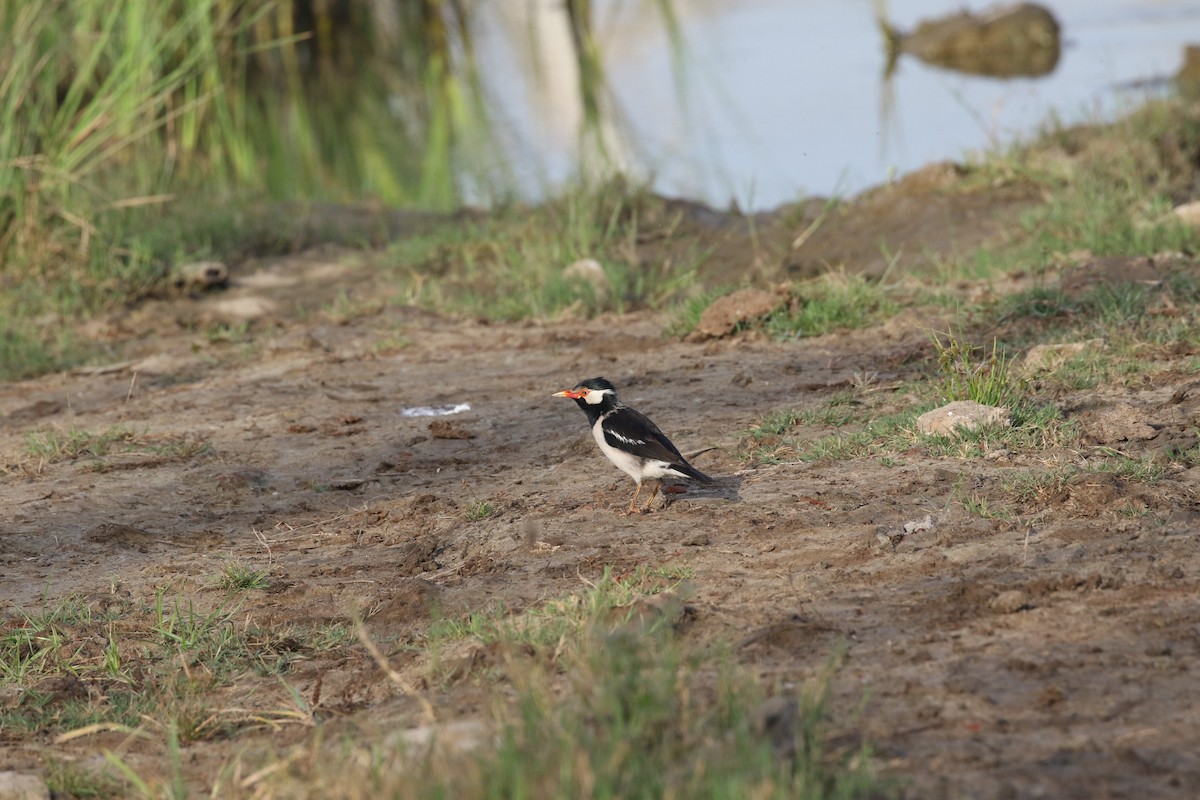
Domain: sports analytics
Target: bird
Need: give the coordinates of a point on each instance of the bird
(630, 439)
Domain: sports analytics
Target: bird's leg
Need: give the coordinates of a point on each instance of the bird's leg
(650, 500)
(633, 502)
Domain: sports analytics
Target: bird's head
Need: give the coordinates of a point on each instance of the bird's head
(592, 392)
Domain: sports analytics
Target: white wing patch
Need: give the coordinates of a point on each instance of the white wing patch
(637, 468)
(624, 439)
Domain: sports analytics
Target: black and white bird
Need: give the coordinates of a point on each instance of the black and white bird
(630, 439)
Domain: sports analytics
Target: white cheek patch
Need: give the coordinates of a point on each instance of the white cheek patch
(595, 396)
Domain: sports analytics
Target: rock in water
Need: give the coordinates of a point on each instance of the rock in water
(1020, 40)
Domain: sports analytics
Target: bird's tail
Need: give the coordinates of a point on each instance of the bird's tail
(691, 472)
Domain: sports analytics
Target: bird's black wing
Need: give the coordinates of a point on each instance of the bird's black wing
(633, 432)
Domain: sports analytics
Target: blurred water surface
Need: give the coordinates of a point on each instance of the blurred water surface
(762, 102)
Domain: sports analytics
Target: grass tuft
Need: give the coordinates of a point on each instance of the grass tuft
(240, 576)
(832, 302)
(57, 444)
(965, 376)
(480, 509)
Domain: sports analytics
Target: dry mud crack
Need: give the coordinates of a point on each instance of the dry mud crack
(983, 658)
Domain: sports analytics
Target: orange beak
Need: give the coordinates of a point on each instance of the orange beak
(574, 394)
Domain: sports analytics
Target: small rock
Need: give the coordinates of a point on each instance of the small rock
(589, 271)
(1021, 39)
(1049, 357)
(961, 415)
(726, 313)
(1121, 423)
(346, 482)
(201, 275)
(19, 786)
(1188, 213)
(1010, 602)
(918, 525)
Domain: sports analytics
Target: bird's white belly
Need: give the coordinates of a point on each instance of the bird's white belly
(637, 468)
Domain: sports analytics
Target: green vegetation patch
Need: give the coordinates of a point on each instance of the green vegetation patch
(577, 256)
(962, 371)
(968, 372)
(57, 444)
(832, 302)
(166, 662)
(613, 705)
(1108, 187)
(240, 576)
(479, 510)
(601, 695)
(612, 598)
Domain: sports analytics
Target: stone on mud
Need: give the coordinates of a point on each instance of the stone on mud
(918, 525)
(200, 275)
(961, 415)
(725, 314)
(1049, 357)
(1121, 423)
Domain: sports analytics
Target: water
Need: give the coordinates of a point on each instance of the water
(778, 100)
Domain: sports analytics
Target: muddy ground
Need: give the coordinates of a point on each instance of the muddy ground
(1052, 654)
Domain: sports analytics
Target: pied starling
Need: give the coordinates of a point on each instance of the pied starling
(630, 439)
